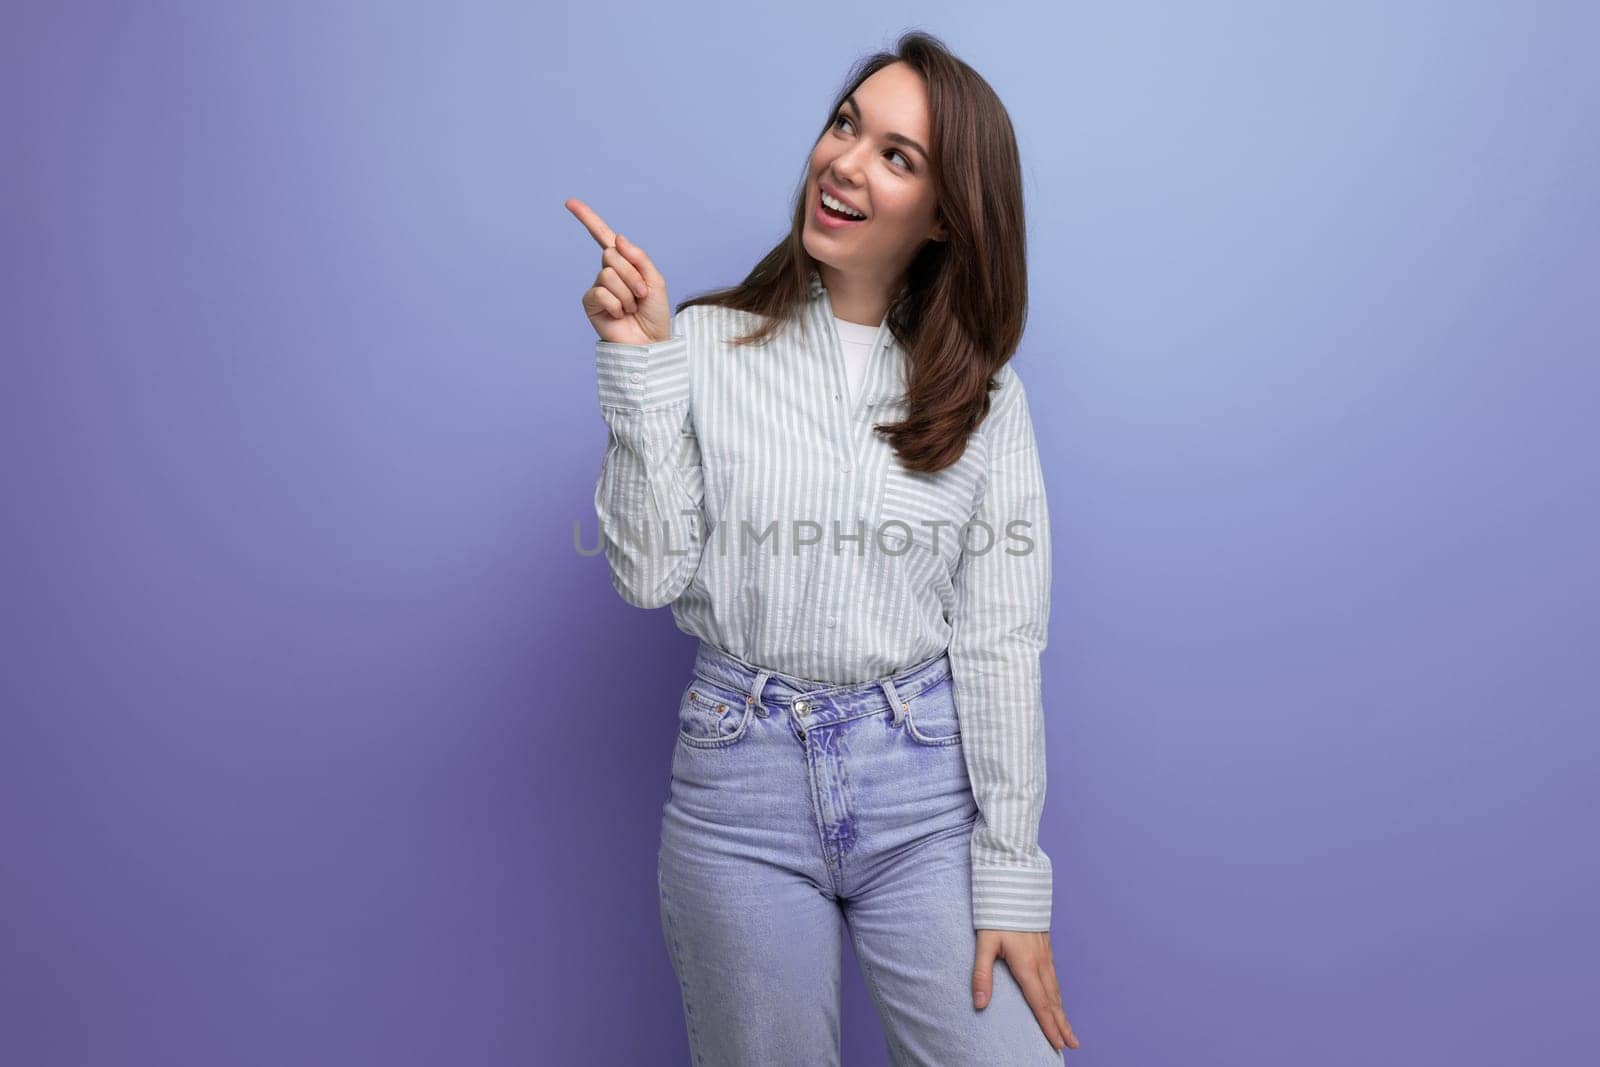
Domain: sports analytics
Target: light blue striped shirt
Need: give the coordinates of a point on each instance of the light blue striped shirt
(745, 487)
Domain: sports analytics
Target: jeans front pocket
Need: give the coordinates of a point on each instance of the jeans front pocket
(932, 720)
(711, 716)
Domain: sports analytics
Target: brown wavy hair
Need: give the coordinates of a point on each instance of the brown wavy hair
(961, 307)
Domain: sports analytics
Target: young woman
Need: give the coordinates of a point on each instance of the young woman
(829, 472)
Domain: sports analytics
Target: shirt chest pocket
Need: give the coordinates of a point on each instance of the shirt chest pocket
(926, 512)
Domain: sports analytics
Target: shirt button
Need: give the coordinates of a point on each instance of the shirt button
(832, 621)
(635, 378)
(845, 467)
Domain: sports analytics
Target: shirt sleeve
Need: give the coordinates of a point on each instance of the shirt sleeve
(651, 491)
(999, 630)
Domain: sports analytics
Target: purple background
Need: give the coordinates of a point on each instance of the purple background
(323, 745)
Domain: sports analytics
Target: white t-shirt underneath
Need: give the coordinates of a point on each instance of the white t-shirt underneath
(856, 341)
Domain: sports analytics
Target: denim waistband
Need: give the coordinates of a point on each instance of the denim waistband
(765, 686)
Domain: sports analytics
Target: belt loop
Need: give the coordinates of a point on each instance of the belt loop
(755, 694)
(895, 703)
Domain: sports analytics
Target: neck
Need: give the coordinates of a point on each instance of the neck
(854, 298)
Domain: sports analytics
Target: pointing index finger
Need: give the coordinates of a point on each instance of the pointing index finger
(596, 226)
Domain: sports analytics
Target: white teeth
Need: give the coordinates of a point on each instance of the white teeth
(837, 206)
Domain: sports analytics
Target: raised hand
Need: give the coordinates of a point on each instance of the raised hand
(628, 301)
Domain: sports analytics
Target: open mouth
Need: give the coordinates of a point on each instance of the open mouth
(833, 213)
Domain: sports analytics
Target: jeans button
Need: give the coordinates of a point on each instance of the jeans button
(802, 707)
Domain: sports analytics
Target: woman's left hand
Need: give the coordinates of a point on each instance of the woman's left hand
(1028, 955)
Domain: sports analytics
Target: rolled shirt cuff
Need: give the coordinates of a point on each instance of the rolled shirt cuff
(1011, 898)
(643, 376)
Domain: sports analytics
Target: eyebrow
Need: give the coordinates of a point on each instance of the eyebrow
(897, 138)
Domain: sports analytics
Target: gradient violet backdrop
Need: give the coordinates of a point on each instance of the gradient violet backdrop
(323, 745)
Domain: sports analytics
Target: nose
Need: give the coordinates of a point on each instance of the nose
(847, 173)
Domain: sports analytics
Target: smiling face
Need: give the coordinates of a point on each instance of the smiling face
(872, 157)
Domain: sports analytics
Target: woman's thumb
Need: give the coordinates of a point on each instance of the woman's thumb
(636, 255)
(983, 974)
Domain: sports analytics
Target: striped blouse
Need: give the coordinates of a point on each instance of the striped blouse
(745, 487)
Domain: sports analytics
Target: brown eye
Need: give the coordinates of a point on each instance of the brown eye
(906, 165)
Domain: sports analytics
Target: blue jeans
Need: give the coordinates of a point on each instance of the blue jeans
(797, 810)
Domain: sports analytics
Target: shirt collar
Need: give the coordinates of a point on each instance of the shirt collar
(886, 372)
(814, 283)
